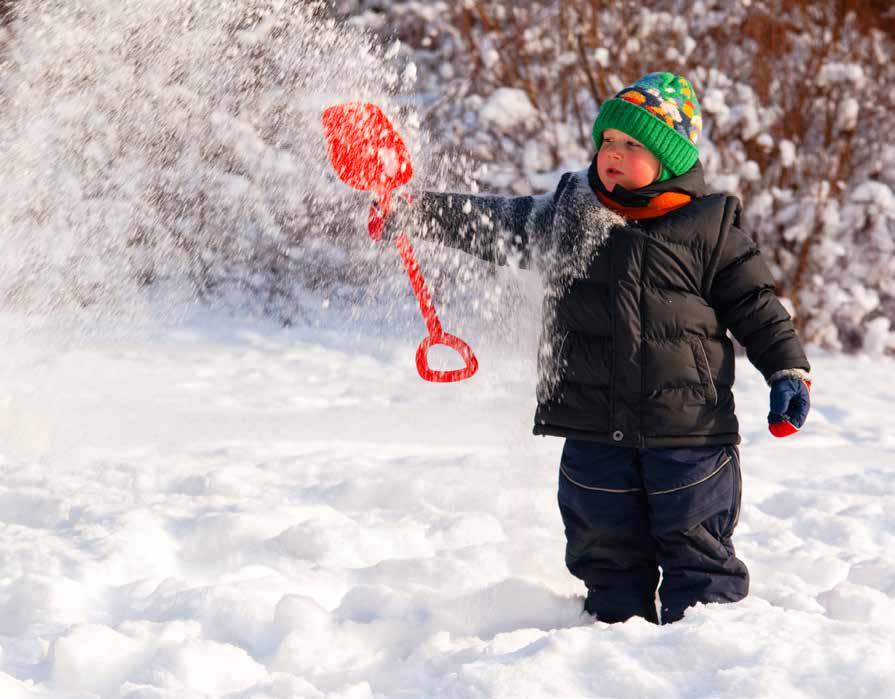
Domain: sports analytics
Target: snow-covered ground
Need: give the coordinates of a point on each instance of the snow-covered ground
(230, 509)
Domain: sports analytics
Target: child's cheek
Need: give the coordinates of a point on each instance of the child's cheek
(643, 170)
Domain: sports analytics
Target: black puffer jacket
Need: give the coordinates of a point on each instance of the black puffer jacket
(635, 348)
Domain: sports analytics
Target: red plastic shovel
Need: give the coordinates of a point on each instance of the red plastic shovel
(368, 154)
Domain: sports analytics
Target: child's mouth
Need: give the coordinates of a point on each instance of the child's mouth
(612, 171)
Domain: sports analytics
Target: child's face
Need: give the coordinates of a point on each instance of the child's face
(622, 160)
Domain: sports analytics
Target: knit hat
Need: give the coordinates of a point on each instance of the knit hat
(661, 111)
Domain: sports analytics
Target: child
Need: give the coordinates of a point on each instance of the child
(647, 271)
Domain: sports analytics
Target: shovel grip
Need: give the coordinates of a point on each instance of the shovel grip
(455, 343)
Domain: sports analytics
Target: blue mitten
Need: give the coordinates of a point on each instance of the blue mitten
(790, 402)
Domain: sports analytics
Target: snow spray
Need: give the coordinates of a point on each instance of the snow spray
(160, 152)
(164, 153)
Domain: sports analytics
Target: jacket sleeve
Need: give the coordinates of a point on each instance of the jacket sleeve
(743, 295)
(496, 229)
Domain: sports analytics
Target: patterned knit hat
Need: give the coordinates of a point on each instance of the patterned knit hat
(661, 111)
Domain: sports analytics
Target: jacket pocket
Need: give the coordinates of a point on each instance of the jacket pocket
(704, 369)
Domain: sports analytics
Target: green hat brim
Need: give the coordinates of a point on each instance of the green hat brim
(673, 150)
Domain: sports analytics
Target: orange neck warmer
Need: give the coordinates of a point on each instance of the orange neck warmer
(658, 206)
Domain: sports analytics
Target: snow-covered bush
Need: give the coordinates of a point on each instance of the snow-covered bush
(795, 94)
(157, 140)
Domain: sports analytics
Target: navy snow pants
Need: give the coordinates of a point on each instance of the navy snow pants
(628, 511)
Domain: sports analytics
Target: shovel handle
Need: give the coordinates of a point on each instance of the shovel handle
(455, 343)
(437, 335)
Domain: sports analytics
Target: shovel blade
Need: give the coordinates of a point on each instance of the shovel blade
(364, 148)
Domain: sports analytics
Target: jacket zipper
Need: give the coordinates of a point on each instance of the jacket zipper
(612, 340)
